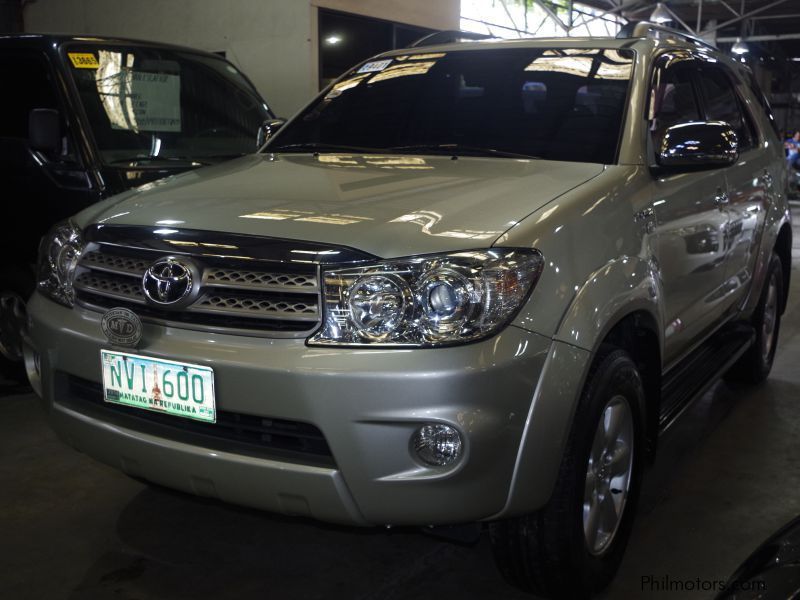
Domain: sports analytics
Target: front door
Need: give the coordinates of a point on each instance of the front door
(691, 219)
(39, 188)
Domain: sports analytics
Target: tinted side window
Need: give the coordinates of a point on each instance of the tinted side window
(29, 87)
(722, 104)
(755, 89)
(673, 99)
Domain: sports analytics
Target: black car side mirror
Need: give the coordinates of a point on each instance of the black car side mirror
(44, 130)
(697, 146)
(268, 128)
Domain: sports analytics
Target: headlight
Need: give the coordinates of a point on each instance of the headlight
(426, 301)
(58, 258)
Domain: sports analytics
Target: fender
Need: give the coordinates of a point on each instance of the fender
(622, 286)
(546, 429)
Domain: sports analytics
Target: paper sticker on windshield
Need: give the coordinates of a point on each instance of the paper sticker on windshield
(83, 60)
(142, 101)
(375, 66)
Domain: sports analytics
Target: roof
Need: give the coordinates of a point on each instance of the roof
(663, 39)
(45, 41)
(558, 42)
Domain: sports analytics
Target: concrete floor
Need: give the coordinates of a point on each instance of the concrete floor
(726, 477)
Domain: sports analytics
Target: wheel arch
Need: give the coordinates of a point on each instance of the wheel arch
(638, 334)
(621, 305)
(783, 248)
(634, 328)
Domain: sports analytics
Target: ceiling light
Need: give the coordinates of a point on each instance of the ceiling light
(332, 40)
(740, 47)
(661, 14)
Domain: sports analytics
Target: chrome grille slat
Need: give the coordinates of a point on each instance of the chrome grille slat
(286, 306)
(246, 279)
(124, 288)
(115, 263)
(280, 298)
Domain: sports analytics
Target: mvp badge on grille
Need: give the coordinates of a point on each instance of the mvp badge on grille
(122, 327)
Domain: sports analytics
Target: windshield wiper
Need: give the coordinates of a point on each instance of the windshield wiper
(321, 147)
(157, 159)
(457, 149)
(450, 149)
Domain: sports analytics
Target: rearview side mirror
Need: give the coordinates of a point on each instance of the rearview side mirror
(698, 146)
(268, 128)
(44, 130)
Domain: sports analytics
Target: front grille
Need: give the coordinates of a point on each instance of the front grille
(262, 436)
(236, 293)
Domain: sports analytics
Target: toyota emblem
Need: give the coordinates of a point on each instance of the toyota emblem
(167, 281)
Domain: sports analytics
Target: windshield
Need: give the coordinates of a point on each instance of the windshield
(557, 104)
(148, 104)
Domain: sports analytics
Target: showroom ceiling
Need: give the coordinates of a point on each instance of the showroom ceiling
(758, 20)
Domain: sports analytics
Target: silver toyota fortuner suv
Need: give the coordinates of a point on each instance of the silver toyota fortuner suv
(468, 283)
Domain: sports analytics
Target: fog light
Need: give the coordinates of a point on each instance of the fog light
(437, 445)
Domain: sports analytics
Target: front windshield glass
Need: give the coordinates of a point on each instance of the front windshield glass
(557, 104)
(148, 104)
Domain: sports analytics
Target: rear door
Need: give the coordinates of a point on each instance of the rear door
(750, 182)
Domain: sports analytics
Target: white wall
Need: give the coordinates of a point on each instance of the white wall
(434, 14)
(273, 41)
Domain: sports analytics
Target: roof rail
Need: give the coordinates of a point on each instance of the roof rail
(644, 29)
(446, 37)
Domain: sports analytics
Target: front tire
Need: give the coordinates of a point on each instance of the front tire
(16, 286)
(573, 546)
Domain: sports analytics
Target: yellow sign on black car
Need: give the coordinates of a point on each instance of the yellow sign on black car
(83, 60)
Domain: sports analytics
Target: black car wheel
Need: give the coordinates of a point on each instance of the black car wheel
(573, 546)
(16, 286)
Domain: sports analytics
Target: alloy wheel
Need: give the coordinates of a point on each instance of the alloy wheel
(608, 475)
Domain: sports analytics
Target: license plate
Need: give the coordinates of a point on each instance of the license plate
(164, 386)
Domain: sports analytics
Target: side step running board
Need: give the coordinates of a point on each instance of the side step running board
(690, 378)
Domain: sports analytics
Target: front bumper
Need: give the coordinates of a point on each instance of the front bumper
(366, 402)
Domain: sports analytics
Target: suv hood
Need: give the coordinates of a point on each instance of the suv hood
(387, 205)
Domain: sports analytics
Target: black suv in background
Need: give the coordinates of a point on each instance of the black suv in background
(85, 118)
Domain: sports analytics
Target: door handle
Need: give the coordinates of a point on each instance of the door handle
(767, 178)
(721, 199)
(647, 216)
